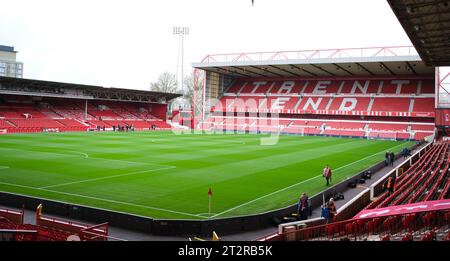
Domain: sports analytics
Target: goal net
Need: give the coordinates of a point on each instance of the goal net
(382, 135)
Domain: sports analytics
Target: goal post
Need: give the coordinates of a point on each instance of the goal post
(382, 135)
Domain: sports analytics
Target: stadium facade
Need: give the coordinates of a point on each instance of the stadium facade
(8, 65)
(378, 92)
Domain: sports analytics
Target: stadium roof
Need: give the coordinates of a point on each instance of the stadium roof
(18, 86)
(5, 48)
(427, 23)
(363, 62)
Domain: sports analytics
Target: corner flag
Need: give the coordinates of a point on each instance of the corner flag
(210, 192)
(215, 237)
(38, 211)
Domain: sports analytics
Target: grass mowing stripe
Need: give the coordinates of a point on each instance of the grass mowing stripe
(237, 173)
(101, 199)
(296, 184)
(108, 177)
(88, 157)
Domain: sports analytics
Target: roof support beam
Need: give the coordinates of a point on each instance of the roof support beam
(365, 69)
(411, 68)
(302, 69)
(387, 68)
(320, 68)
(342, 68)
(265, 70)
(286, 71)
(244, 71)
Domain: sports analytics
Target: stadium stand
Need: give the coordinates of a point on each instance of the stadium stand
(397, 108)
(48, 228)
(63, 116)
(408, 214)
(42, 106)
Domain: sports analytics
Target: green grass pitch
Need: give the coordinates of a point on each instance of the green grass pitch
(164, 175)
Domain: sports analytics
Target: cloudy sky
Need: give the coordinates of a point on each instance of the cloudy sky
(129, 43)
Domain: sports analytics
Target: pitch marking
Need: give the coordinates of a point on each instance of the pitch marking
(108, 177)
(301, 182)
(102, 199)
(90, 157)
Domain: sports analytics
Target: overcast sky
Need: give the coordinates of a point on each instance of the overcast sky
(129, 43)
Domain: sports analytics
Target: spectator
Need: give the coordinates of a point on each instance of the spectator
(302, 208)
(325, 212)
(406, 152)
(327, 174)
(390, 183)
(391, 158)
(309, 208)
(332, 212)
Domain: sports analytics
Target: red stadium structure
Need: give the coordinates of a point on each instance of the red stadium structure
(374, 93)
(382, 92)
(377, 92)
(42, 106)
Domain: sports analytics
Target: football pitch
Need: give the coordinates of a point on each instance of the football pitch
(165, 175)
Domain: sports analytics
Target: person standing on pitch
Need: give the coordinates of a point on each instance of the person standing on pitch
(327, 174)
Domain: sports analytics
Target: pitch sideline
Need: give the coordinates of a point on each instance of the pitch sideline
(301, 182)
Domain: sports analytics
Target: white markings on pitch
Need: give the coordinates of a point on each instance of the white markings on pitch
(299, 183)
(206, 215)
(102, 199)
(86, 156)
(107, 177)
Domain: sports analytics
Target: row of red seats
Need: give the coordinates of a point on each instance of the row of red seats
(290, 86)
(43, 233)
(341, 128)
(345, 104)
(419, 177)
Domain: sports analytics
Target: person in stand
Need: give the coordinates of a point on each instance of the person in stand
(327, 174)
(325, 212)
(332, 212)
(302, 208)
(406, 152)
(390, 184)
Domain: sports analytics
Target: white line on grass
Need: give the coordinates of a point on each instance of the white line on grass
(90, 157)
(108, 177)
(296, 184)
(206, 215)
(82, 153)
(102, 199)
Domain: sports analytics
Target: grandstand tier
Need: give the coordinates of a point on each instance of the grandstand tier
(401, 108)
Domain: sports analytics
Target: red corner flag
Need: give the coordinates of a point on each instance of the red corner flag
(209, 192)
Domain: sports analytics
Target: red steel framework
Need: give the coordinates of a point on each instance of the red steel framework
(198, 103)
(442, 86)
(313, 54)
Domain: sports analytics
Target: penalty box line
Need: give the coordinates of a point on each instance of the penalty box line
(299, 183)
(103, 199)
(107, 177)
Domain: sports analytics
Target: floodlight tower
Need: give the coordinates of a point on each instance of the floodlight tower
(181, 31)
